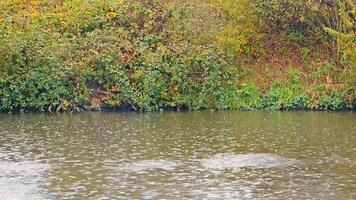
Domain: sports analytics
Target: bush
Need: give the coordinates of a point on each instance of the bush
(249, 97)
(288, 95)
(43, 87)
(334, 101)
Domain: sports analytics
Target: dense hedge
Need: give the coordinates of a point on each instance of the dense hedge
(147, 55)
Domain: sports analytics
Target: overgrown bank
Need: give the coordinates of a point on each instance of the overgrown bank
(150, 55)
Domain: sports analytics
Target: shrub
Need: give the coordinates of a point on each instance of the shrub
(39, 89)
(288, 95)
(249, 97)
(334, 101)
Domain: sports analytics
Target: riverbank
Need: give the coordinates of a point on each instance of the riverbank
(182, 55)
(343, 107)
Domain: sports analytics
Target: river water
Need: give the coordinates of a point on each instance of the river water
(200, 155)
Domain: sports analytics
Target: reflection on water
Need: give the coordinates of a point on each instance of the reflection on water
(202, 155)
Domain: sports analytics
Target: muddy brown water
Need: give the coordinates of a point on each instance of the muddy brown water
(193, 155)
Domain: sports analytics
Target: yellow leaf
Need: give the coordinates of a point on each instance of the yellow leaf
(302, 19)
(111, 15)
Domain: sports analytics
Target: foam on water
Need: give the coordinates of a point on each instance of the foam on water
(21, 180)
(251, 160)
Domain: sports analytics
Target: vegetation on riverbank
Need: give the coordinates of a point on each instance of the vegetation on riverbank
(150, 55)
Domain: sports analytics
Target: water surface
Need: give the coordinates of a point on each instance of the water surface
(201, 155)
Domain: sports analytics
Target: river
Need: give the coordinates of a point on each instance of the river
(178, 155)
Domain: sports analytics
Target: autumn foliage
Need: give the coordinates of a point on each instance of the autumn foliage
(65, 55)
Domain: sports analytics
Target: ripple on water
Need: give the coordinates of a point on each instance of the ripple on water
(146, 165)
(251, 160)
